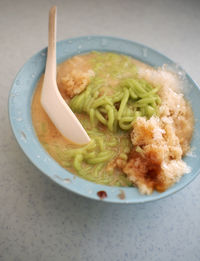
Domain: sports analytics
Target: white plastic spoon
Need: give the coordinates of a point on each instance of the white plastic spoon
(51, 99)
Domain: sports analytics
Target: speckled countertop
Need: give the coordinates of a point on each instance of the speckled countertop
(40, 220)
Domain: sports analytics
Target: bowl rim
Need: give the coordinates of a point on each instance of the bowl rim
(113, 197)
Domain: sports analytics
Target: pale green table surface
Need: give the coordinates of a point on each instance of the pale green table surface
(40, 220)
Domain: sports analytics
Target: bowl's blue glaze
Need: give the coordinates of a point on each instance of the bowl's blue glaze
(20, 116)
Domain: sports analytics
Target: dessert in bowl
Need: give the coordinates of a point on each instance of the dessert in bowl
(129, 99)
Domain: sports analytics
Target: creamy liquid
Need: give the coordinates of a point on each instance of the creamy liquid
(50, 137)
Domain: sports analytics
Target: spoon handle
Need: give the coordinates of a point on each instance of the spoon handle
(51, 55)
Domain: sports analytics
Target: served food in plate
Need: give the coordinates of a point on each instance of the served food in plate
(139, 123)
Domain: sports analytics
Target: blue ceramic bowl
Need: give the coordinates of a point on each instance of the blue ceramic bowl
(20, 116)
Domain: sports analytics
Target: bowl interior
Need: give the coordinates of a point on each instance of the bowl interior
(20, 99)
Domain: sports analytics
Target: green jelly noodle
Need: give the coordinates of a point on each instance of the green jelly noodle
(109, 111)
